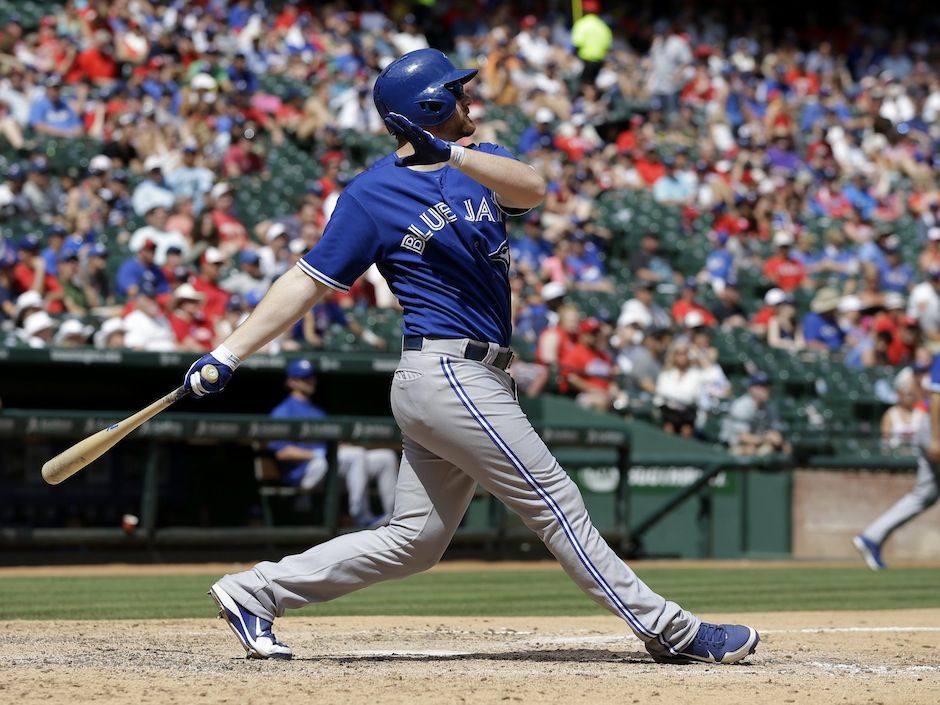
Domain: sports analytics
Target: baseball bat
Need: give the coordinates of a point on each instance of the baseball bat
(86, 451)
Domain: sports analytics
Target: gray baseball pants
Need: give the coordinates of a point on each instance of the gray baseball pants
(462, 425)
(925, 493)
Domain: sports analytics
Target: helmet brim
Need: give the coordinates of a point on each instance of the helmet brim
(461, 76)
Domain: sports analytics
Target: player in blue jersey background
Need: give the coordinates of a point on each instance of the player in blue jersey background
(432, 216)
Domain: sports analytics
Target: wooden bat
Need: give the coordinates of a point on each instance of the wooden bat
(86, 451)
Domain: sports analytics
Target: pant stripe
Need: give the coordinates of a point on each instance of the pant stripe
(549, 501)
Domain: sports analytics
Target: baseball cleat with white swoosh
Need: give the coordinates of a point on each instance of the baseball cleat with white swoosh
(715, 643)
(253, 632)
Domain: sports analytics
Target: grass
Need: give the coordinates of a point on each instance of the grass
(545, 592)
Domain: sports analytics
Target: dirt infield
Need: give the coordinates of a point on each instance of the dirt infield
(805, 657)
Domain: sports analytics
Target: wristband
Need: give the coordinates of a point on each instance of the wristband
(226, 357)
(457, 155)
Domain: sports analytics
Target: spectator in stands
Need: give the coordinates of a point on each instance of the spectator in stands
(642, 311)
(647, 264)
(72, 333)
(96, 62)
(727, 310)
(147, 328)
(98, 283)
(233, 237)
(153, 191)
(835, 263)
(752, 425)
(924, 305)
(134, 272)
(245, 156)
(74, 285)
(687, 303)
(305, 464)
(820, 328)
(157, 232)
(193, 330)
(30, 274)
(539, 135)
(248, 277)
(38, 329)
(783, 329)
(7, 301)
(894, 275)
(110, 336)
(592, 39)
(274, 255)
(719, 265)
(678, 389)
(190, 179)
(641, 358)
(55, 238)
(42, 193)
(783, 269)
(51, 115)
(314, 327)
(903, 423)
(672, 189)
(207, 283)
(588, 368)
(13, 200)
(554, 340)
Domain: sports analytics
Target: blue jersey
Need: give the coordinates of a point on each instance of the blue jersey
(293, 408)
(439, 239)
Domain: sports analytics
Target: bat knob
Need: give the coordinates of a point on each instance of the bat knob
(210, 374)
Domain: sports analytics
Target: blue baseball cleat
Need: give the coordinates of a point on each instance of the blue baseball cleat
(253, 632)
(715, 643)
(870, 551)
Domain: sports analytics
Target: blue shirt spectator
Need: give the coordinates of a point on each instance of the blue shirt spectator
(135, 271)
(191, 181)
(51, 115)
(894, 275)
(820, 329)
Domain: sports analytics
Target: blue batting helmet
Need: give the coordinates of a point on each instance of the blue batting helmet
(422, 85)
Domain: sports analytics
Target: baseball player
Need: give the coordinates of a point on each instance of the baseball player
(305, 464)
(926, 490)
(432, 216)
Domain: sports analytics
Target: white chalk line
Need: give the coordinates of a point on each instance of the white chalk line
(857, 669)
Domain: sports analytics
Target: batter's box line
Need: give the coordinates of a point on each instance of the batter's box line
(856, 669)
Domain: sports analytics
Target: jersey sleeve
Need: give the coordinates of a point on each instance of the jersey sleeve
(499, 150)
(934, 384)
(349, 246)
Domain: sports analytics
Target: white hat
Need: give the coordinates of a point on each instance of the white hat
(188, 292)
(220, 189)
(37, 322)
(153, 162)
(100, 163)
(775, 297)
(544, 115)
(782, 238)
(933, 233)
(693, 319)
(274, 231)
(553, 290)
(72, 327)
(893, 300)
(28, 299)
(298, 246)
(111, 325)
(213, 255)
(203, 82)
(850, 303)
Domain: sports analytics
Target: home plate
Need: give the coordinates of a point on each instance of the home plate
(416, 652)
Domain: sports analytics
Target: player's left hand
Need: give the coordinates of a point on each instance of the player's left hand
(428, 148)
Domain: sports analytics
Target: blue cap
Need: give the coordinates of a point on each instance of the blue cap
(759, 379)
(690, 283)
(28, 242)
(39, 165)
(98, 250)
(300, 369)
(15, 172)
(56, 230)
(252, 298)
(248, 257)
(67, 253)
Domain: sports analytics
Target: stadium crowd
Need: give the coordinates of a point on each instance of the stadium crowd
(805, 168)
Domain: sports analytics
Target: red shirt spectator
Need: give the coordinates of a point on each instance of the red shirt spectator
(686, 304)
(785, 273)
(233, 237)
(241, 158)
(207, 283)
(583, 359)
(650, 170)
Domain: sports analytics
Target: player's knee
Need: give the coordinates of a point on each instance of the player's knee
(420, 549)
(929, 497)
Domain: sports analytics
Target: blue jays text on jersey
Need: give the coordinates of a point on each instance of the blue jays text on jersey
(439, 239)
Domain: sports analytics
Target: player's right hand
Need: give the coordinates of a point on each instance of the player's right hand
(201, 381)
